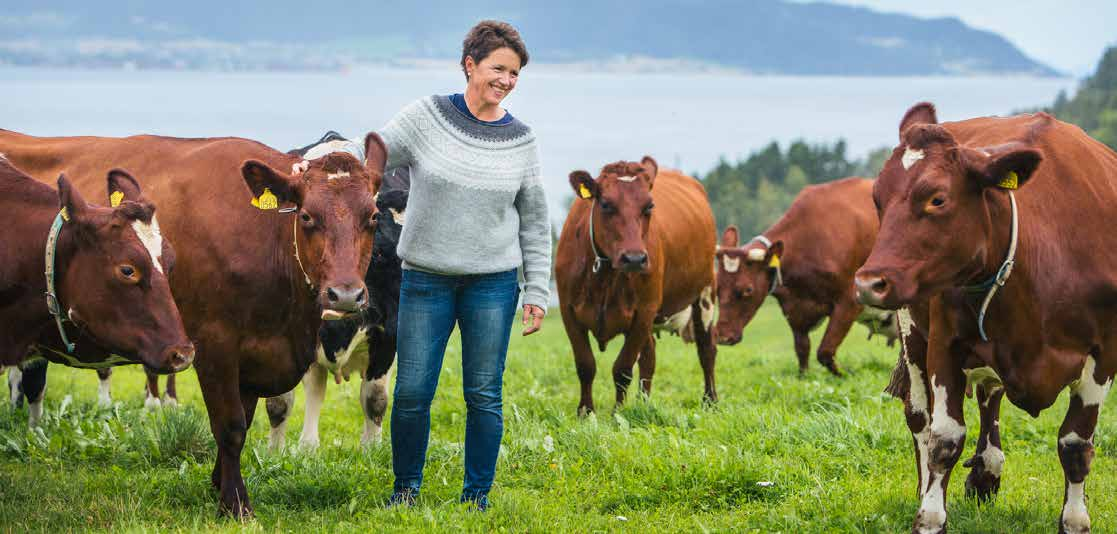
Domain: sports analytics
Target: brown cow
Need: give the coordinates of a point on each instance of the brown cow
(623, 267)
(107, 300)
(1012, 292)
(806, 260)
(253, 284)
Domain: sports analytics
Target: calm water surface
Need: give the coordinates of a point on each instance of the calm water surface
(582, 120)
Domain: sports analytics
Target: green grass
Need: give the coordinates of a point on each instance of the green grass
(836, 453)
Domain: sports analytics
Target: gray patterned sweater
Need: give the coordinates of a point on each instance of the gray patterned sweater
(476, 203)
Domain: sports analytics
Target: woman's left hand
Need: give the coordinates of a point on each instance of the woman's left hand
(533, 319)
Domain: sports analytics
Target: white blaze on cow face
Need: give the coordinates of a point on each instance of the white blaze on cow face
(910, 157)
(730, 263)
(397, 215)
(151, 238)
(627, 178)
(1090, 391)
(336, 175)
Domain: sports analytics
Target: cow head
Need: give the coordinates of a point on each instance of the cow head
(334, 220)
(622, 210)
(744, 277)
(933, 197)
(385, 272)
(113, 281)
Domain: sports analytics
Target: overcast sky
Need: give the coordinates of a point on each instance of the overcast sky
(1069, 35)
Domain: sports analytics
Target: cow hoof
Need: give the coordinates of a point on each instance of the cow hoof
(584, 411)
(239, 510)
(308, 444)
(170, 402)
(831, 366)
(981, 484)
(918, 527)
(152, 403)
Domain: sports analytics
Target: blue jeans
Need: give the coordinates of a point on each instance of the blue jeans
(483, 307)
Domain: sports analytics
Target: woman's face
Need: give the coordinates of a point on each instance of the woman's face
(495, 76)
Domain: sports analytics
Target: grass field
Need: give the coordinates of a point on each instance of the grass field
(778, 454)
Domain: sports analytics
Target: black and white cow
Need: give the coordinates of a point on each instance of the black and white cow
(339, 351)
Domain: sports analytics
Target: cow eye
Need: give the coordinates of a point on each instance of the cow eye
(648, 208)
(608, 207)
(128, 273)
(306, 218)
(938, 201)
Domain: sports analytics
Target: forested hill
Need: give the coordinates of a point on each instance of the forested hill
(1094, 106)
(759, 36)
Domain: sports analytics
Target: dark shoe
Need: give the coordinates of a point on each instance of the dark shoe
(479, 502)
(403, 497)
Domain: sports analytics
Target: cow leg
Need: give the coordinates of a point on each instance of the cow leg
(634, 340)
(841, 319)
(802, 346)
(584, 362)
(151, 397)
(707, 349)
(910, 385)
(279, 409)
(15, 392)
(985, 466)
(374, 390)
(104, 386)
(1076, 440)
(314, 388)
(647, 366)
(33, 386)
(228, 421)
(171, 399)
(947, 429)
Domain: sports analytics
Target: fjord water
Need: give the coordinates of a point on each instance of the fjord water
(582, 119)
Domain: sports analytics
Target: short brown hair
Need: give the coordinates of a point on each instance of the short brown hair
(489, 35)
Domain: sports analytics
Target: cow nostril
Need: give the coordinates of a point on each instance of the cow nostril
(331, 294)
(361, 297)
(879, 286)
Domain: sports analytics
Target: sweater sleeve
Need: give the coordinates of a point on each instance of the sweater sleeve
(397, 138)
(535, 237)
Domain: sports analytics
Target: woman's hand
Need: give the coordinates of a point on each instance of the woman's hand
(533, 319)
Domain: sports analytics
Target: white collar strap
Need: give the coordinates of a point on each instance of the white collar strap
(998, 280)
(599, 260)
(52, 296)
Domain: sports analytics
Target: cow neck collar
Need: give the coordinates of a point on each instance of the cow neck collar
(777, 280)
(995, 282)
(599, 260)
(298, 258)
(52, 296)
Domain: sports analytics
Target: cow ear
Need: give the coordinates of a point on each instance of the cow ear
(650, 167)
(921, 113)
(122, 186)
(73, 206)
(730, 238)
(1008, 169)
(376, 157)
(584, 185)
(269, 187)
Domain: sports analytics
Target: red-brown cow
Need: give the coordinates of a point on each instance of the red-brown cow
(1011, 291)
(253, 284)
(806, 260)
(632, 257)
(104, 298)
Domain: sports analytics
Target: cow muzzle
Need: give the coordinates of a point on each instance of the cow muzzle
(344, 300)
(634, 262)
(875, 289)
(175, 358)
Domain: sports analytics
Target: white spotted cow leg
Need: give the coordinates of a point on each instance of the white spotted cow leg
(917, 408)
(35, 408)
(104, 387)
(314, 386)
(944, 444)
(279, 409)
(984, 480)
(374, 401)
(151, 402)
(15, 376)
(1076, 442)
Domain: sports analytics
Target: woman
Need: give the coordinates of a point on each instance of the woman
(476, 214)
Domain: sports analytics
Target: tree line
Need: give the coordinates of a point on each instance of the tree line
(754, 192)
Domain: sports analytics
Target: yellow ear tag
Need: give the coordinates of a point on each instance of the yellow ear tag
(267, 200)
(115, 198)
(1010, 181)
(584, 191)
(65, 215)
(774, 262)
